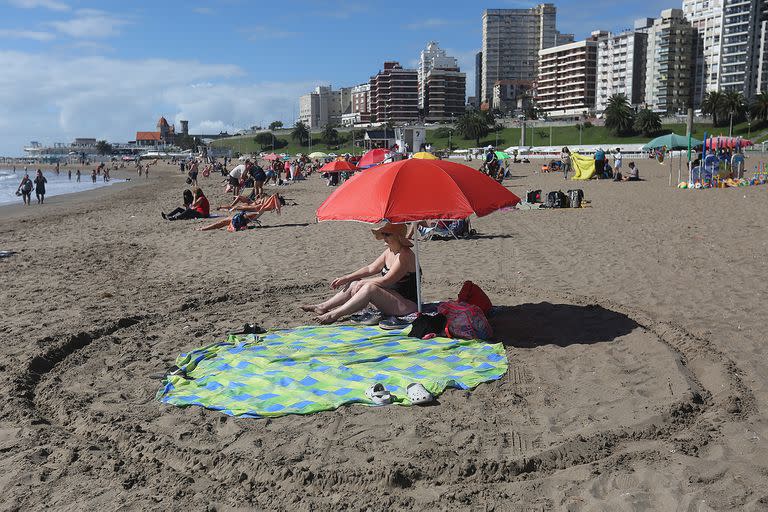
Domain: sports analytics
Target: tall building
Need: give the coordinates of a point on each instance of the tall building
(360, 112)
(761, 49)
(442, 85)
(621, 61)
(706, 17)
(512, 39)
(324, 106)
(741, 56)
(394, 94)
(478, 79)
(567, 76)
(669, 63)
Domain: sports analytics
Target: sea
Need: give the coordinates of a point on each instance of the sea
(57, 184)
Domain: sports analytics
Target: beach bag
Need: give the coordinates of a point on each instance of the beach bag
(426, 325)
(556, 199)
(533, 196)
(465, 321)
(575, 197)
(473, 294)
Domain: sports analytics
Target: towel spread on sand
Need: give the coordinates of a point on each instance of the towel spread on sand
(583, 166)
(311, 369)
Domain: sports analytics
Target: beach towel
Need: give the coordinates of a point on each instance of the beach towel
(312, 369)
(583, 166)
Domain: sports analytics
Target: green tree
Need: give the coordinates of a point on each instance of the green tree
(759, 107)
(103, 147)
(187, 142)
(619, 117)
(713, 105)
(473, 125)
(330, 136)
(300, 133)
(647, 122)
(265, 140)
(275, 125)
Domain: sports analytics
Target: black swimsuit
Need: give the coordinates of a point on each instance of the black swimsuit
(406, 286)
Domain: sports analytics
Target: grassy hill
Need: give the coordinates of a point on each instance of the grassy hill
(560, 136)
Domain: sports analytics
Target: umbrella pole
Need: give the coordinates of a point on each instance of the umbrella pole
(418, 266)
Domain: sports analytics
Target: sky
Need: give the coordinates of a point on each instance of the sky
(106, 69)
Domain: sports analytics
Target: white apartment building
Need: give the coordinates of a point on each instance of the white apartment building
(567, 77)
(706, 16)
(361, 106)
(433, 57)
(512, 39)
(324, 106)
(621, 66)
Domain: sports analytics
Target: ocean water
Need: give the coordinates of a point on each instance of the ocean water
(57, 185)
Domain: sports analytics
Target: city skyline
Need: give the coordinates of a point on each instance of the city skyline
(79, 69)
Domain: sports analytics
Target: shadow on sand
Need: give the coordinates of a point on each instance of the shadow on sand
(532, 325)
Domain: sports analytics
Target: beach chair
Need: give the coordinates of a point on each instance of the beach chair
(453, 230)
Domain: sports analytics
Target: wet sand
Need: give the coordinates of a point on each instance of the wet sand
(634, 330)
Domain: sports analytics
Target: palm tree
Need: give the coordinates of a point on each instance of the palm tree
(647, 122)
(759, 107)
(712, 105)
(330, 135)
(473, 125)
(734, 106)
(300, 133)
(619, 117)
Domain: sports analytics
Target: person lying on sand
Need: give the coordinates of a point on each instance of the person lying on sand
(392, 290)
(245, 200)
(271, 203)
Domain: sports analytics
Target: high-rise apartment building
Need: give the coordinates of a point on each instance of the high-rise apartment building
(478, 79)
(394, 94)
(669, 63)
(324, 106)
(761, 49)
(567, 77)
(729, 50)
(442, 85)
(621, 65)
(512, 39)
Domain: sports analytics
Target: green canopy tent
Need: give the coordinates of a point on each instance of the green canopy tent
(674, 142)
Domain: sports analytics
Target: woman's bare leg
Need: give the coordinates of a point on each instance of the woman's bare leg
(217, 225)
(335, 301)
(387, 301)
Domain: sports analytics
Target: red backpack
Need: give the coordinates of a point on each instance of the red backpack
(472, 294)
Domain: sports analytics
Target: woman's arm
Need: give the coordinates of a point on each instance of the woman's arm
(366, 271)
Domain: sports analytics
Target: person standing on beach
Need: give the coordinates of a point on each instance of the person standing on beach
(599, 162)
(93, 175)
(617, 158)
(69, 174)
(77, 176)
(146, 172)
(565, 161)
(25, 188)
(40, 182)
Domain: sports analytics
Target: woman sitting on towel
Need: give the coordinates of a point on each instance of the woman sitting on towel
(392, 290)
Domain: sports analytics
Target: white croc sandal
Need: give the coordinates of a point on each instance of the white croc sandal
(379, 394)
(418, 394)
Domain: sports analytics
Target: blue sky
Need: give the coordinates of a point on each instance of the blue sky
(77, 68)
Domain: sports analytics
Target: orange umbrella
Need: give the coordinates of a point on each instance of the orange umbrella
(338, 166)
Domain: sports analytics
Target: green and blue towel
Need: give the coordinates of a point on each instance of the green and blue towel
(312, 369)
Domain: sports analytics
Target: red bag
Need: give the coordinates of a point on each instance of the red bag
(472, 294)
(465, 321)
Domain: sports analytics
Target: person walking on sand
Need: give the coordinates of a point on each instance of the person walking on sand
(40, 182)
(565, 161)
(617, 159)
(25, 189)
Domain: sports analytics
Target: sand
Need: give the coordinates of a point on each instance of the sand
(633, 328)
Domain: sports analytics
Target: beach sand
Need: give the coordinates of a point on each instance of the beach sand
(634, 330)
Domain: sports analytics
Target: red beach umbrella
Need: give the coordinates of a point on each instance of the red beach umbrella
(374, 157)
(414, 190)
(338, 166)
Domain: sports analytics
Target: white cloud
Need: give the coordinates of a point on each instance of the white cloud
(46, 4)
(54, 99)
(26, 34)
(90, 24)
